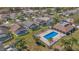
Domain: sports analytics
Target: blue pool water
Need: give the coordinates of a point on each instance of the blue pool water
(50, 35)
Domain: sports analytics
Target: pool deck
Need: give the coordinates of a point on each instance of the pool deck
(54, 39)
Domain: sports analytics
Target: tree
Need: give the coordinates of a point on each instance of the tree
(68, 43)
(21, 44)
(58, 9)
(49, 10)
(56, 20)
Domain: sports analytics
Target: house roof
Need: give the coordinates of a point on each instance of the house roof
(21, 29)
(13, 15)
(44, 18)
(14, 27)
(4, 16)
(4, 10)
(5, 37)
(3, 29)
(64, 27)
(27, 23)
(38, 20)
(34, 26)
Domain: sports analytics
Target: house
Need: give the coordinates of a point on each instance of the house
(27, 24)
(69, 12)
(46, 23)
(64, 27)
(13, 15)
(4, 10)
(9, 48)
(43, 20)
(7, 24)
(21, 31)
(4, 17)
(28, 12)
(14, 27)
(18, 21)
(18, 29)
(4, 13)
(37, 20)
(34, 27)
(4, 34)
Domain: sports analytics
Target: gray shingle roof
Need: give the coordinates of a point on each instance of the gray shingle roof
(27, 23)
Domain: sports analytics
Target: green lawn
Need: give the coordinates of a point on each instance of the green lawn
(75, 35)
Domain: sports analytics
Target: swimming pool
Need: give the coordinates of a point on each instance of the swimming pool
(50, 35)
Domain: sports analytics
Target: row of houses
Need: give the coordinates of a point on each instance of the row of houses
(34, 24)
(21, 28)
(69, 12)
